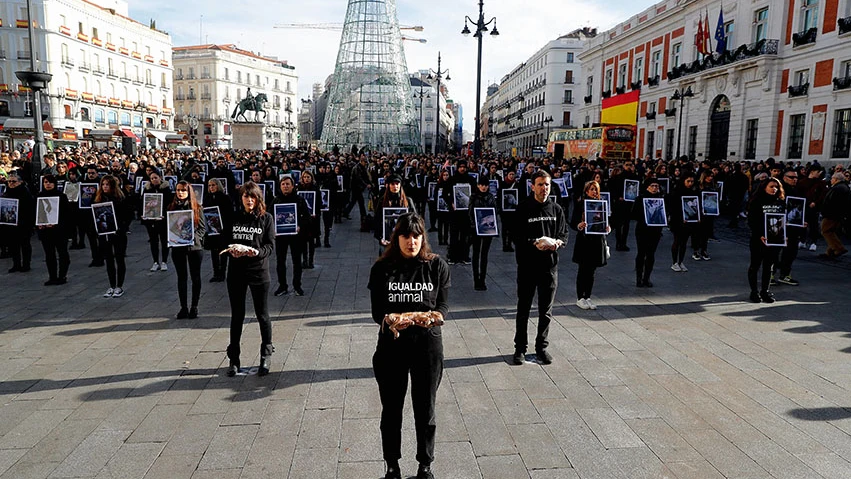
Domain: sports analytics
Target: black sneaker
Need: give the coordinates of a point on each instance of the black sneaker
(767, 296)
(518, 358)
(755, 297)
(544, 357)
(788, 279)
(298, 291)
(424, 472)
(393, 471)
(182, 314)
(282, 290)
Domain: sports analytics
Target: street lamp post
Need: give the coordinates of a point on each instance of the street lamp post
(481, 27)
(422, 94)
(438, 74)
(36, 81)
(142, 108)
(681, 95)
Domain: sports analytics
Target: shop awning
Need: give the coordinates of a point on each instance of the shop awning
(101, 134)
(159, 135)
(18, 124)
(175, 138)
(127, 133)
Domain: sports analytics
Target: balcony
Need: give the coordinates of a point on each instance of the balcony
(150, 84)
(650, 115)
(111, 75)
(567, 101)
(191, 96)
(671, 111)
(744, 52)
(125, 78)
(587, 99)
(84, 67)
(799, 90)
(841, 83)
(190, 76)
(24, 55)
(804, 38)
(205, 76)
(636, 85)
(844, 25)
(165, 87)
(137, 80)
(276, 106)
(653, 81)
(606, 94)
(568, 81)
(67, 62)
(178, 76)
(206, 96)
(180, 97)
(620, 90)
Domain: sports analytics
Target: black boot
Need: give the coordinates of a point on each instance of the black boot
(393, 471)
(265, 362)
(424, 472)
(233, 355)
(639, 279)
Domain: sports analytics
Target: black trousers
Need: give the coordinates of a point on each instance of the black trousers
(794, 235)
(259, 295)
(357, 197)
(296, 245)
(443, 228)
(20, 247)
(55, 247)
(432, 214)
(702, 232)
(92, 236)
(678, 247)
(459, 239)
(761, 256)
(620, 222)
(507, 228)
(417, 352)
(113, 249)
(481, 247)
(645, 258)
(220, 262)
(158, 240)
(530, 280)
(328, 222)
(585, 280)
(188, 261)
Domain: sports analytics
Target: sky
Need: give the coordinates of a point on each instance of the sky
(523, 31)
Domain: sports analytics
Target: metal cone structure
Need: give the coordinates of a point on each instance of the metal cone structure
(370, 103)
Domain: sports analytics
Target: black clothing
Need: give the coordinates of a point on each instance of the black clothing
(18, 237)
(113, 246)
(481, 244)
(295, 243)
(762, 255)
(646, 240)
(190, 256)
(217, 243)
(156, 228)
(54, 239)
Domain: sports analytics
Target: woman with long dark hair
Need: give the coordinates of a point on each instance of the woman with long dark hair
(646, 237)
(217, 196)
(409, 289)
(393, 197)
(769, 197)
(311, 229)
(443, 217)
(589, 251)
(481, 198)
(113, 246)
(156, 227)
(191, 255)
(54, 238)
(680, 228)
(254, 230)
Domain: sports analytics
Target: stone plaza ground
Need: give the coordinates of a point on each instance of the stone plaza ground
(684, 380)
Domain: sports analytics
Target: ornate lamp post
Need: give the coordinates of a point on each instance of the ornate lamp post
(547, 121)
(481, 27)
(420, 95)
(681, 95)
(36, 81)
(438, 74)
(142, 108)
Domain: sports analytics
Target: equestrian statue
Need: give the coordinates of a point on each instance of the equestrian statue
(250, 103)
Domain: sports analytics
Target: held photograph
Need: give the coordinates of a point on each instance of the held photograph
(654, 212)
(568, 180)
(493, 187)
(390, 217)
(325, 200)
(238, 177)
(72, 192)
(152, 206)
(172, 182)
(596, 220)
(87, 194)
(213, 220)
(562, 188)
(795, 211)
(105, 221)
(286, 219)
(181, 228)
(199, 192)
(691, 209)
(9, 211)
(432, 188)
(485, 221)
(630, 190)
(509, 199)
(341, 185)
(461, 195)
(310, 198)
(664, 185)
(775, 229)
(47, 211)
(710, 203)
(607, 197)
(441, 201)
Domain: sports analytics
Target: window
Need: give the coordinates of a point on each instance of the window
(137, 120)
(227, 74)
(842, 134)
(239, 77)
(655, 63)
(751, 128)
(590, 86)
(809, 14)
(94, 32)
(760, 24)
(796, 136)
(112, 117)
(729, 37)
(651, 107)
(68, 113)
(108, 37)
(288, 87)
(638, 75)
(565, 118)
(62, 20)
(622, 75)
(608, 85)
(64, 49)
(676, 54)
(651, 142)
(669, 144)
(692, 142)
(80, 27)
(568, 97)
(125, 119)
(568, 76)
(569, 57)
(802, 77)
(99, 118)
(257, 80)
(845, 67)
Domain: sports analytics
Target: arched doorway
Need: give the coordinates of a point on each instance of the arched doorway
(719, 129)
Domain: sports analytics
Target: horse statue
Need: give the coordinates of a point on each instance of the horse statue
(249, 103)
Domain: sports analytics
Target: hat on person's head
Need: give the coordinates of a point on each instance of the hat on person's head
(651, 181)
(394, 179)
(483, 180)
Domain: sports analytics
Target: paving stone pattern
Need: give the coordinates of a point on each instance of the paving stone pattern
(684, 380)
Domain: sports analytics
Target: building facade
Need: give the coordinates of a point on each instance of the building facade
(539, 94)
(211, 80)
(111, 74)
(778, 85)
(434, 113)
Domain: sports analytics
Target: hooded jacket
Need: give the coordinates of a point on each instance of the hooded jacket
(532, 221)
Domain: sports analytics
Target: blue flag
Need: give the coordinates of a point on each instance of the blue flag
(720, 36)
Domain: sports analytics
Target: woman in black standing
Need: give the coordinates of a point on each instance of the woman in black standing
(768, 198)
(481, 198)
(589, 250)
(157, 236)
(409, 285)
(393, 196)
(191, 255)
(216, 243)
(680, 228)
(311, 229)
(443, 217)
(327, 181)
(113, 246)
(646, 237)
(252, 227)
(54, 238)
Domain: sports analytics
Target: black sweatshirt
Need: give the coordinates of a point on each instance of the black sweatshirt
(409, 285)
(257, 232)
(534, 220)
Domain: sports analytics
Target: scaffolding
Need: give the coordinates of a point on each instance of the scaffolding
(370, 103)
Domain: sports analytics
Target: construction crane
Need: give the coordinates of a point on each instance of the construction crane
(338, 27)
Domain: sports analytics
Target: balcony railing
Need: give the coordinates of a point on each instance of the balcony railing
(804, 38)
(68, 62)
(620, 90)
(844, 25)
(97, 70)
(842, 83)
(180, 97)
(567, 101)
(744, 52)
(85, 67)
(671, 111)
(137, 80)
(799, 90)
(190, 76)
(150, 84)
(205, 76)
(653, 81)
(587, 99)
(568, 81)
(125, 78)
(636, 85)
(111, 74)
(24, 55)
(651, 115)
(606, 94)
(164, 86)
(178, 76)
(206, 96)
(191, 96)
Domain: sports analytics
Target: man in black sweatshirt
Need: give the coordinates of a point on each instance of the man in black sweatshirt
(539, 231)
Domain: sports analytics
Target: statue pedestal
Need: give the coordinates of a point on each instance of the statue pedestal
(248, 136)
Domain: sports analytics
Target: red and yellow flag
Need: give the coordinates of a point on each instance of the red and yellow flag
(620, 109)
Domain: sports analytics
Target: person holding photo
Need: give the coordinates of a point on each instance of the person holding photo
(510, 182)
(295, 243)
(18, 237)
(409, 279)
(646, 237)
(191, 255)
(795, 235)
(681, 229)
(217, 196)
(113, 246)
(481, 198)
(327, 181)
(459, 230)
(393, 196)
(311, 226)
(589, 250)
(621, 208)
(157, 234)
(442, 216)
(704, 230)
(252, 227)
(768, 198)
(54, 238)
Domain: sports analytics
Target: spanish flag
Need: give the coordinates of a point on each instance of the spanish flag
(620, 109)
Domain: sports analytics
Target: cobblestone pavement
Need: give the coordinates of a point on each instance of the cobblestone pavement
(684, 380)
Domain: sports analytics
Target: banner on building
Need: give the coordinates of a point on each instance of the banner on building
(620, 109)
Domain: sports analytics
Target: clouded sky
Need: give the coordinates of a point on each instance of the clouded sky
(523, 31)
